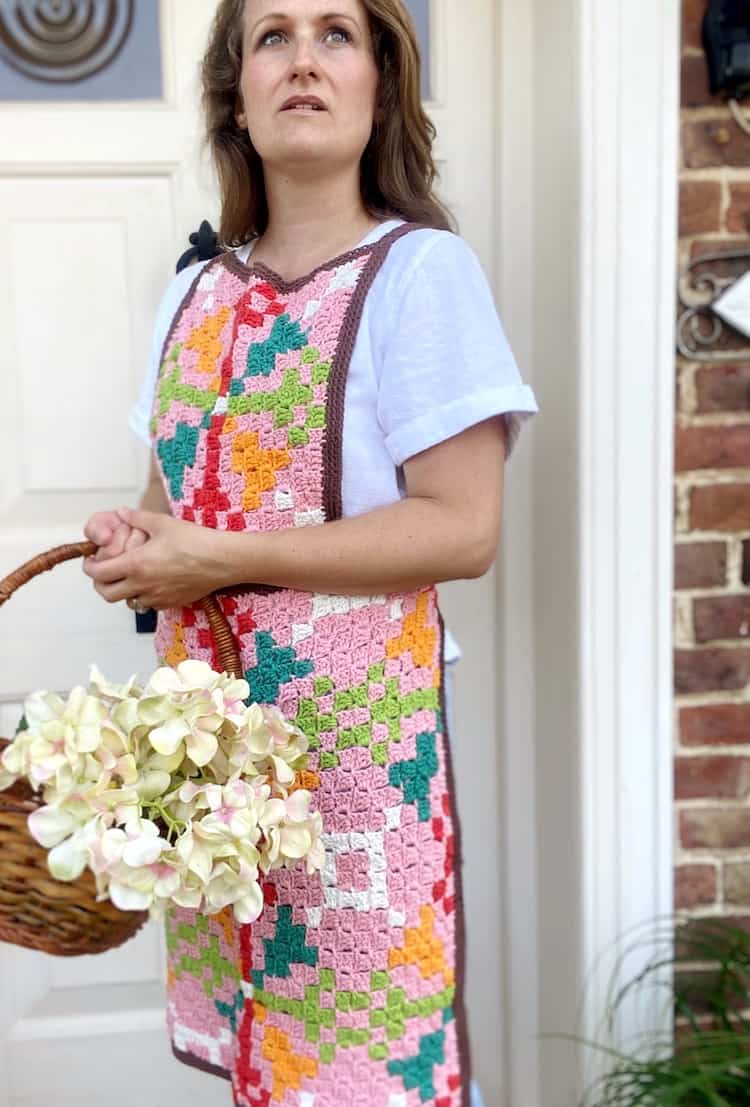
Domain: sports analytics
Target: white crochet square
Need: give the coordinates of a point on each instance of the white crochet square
(341, 605)
(185, 1036)
(207, 283)
(314, 916)
(310, 518)
(370, 842)
(301, 631)
(393, 817)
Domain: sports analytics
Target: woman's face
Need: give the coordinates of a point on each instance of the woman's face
(319, 51)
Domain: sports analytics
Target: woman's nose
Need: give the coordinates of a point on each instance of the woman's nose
(303, 59)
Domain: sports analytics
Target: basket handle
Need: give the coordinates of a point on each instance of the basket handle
(226, 645)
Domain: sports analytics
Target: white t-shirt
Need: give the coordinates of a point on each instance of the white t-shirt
(430, 360)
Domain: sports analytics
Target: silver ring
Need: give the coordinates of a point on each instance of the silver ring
(135, 606)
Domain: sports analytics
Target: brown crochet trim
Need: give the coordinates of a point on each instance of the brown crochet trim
(333, 466)
(260, 269)
(334, 432)
(459, 999)
(178, 314)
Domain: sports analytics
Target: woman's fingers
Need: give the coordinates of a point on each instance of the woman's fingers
(102, 526)
(116, 545)
(136, 538)
(107, 570)
(111, 533)
(115, 592)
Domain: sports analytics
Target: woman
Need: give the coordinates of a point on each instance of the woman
(329, 419)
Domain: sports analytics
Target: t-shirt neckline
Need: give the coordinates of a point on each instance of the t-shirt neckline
(242, 256)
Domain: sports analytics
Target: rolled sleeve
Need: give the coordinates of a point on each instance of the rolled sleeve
(447, 364)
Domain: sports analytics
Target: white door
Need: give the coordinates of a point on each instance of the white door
(96, 203)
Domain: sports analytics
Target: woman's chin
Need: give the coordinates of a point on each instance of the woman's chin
(306, 153)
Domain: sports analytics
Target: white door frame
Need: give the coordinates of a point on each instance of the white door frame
(587, 103)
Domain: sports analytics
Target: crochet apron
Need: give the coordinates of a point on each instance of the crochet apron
(349, 987)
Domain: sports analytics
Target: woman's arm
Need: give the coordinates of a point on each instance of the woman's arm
(154, 497)
(447, 528)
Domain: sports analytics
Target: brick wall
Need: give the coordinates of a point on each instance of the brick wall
(712, 551)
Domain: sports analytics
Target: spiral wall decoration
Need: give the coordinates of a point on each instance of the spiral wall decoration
(62, 40)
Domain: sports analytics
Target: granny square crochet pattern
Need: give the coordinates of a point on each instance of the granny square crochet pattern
(349, 988)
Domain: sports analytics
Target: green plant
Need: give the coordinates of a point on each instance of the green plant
(703, 967)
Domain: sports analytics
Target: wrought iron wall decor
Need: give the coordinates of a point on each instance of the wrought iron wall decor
(714, 295)
(63, 40)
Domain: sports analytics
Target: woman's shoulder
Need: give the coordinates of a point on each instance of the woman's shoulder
(430, 253)
(427, 266)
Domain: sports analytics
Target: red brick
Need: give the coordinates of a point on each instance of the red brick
(694, 85)
(693, 12)
(711, 670)
(696, 990)
(700, 207)
(719, 617)
(694, 936)
(715, 828)
(715, 142)
(694, 886)
(737, 883)
(724, 507)
(738, 213)
(712, 447)
(723, 388)
(711, 777)
(700, 564)
(716, 724)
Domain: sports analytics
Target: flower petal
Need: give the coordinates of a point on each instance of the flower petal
(143, 851)
(248, 909)
(68, 860)
(49, 825)
(167, 738)
(127, 898)
(201, 746)
(295, 841)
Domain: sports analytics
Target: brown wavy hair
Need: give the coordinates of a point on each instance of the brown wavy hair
(397, 170)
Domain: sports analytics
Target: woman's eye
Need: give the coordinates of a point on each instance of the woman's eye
(344, 36)
(271, 38)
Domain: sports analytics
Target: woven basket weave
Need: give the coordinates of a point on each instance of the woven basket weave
(36, 910)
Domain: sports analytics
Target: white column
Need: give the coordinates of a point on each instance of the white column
(588, 115)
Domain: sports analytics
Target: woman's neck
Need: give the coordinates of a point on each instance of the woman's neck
(309, 222)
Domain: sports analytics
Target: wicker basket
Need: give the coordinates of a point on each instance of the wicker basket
(36, 910)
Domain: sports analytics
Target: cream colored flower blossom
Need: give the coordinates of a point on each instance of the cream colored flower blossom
(174, 793)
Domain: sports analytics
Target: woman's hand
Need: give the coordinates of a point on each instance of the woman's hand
(112, 535)
(175, 565)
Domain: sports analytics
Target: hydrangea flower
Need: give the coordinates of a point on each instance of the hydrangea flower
(173, 793)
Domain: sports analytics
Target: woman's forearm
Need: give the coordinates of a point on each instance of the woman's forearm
(154, 498)
(401, 546)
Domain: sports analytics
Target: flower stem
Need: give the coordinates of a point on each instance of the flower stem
(174, 826)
